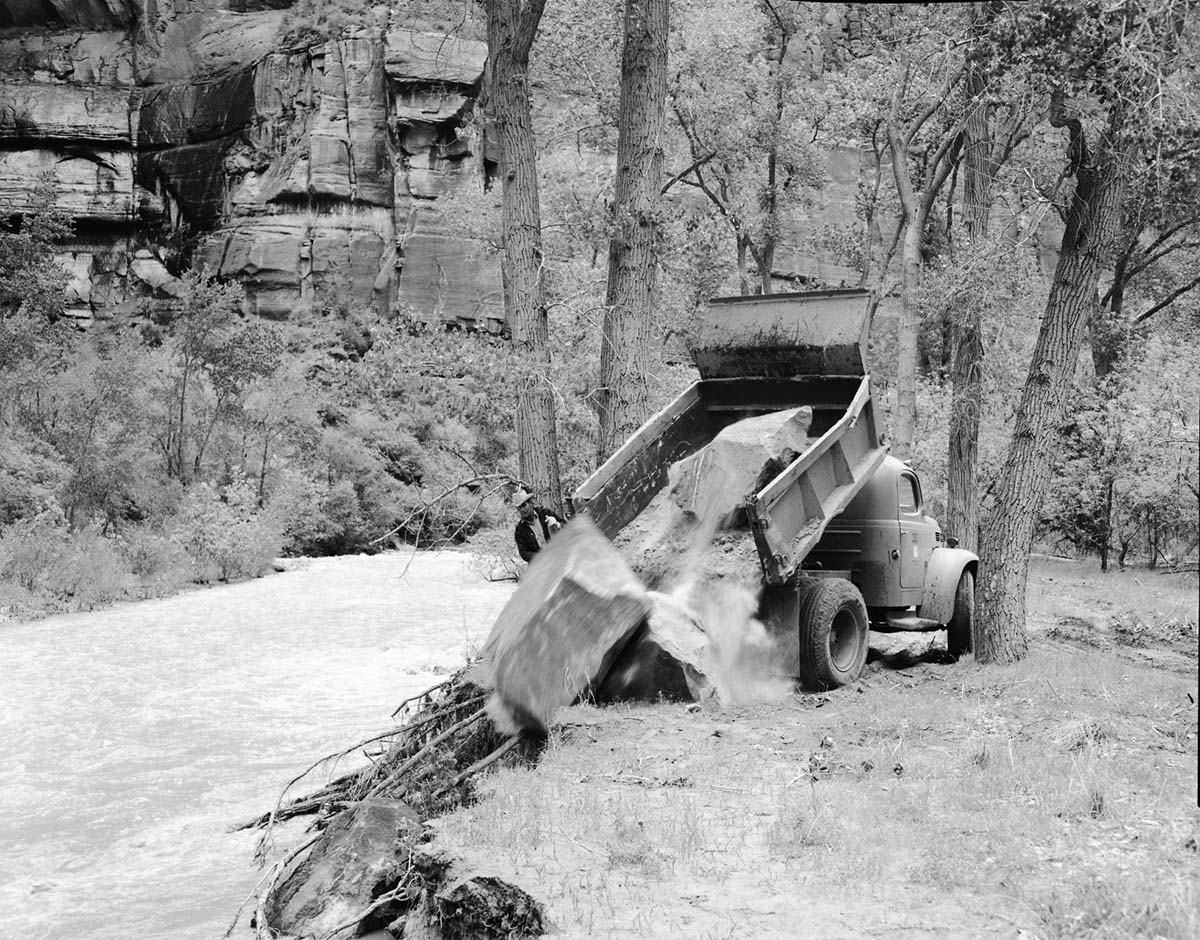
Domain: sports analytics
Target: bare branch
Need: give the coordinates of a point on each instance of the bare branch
(1169, 299)
(695, 165)
(937, 102)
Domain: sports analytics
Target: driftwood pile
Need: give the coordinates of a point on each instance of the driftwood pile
(364, 867)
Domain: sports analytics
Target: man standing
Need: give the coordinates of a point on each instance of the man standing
(535, 526)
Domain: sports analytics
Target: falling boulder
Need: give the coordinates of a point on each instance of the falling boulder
(572, 613)
(662, 660)
(361, 855)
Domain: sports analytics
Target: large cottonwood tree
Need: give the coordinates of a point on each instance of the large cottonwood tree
(511, 28)
(997, 119)
(623, 398)
(1108, 72)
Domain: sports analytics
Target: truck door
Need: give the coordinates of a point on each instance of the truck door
(916, 535)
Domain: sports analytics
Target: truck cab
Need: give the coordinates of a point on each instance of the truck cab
(884, 539)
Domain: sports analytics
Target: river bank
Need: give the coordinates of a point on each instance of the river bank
(135, 736)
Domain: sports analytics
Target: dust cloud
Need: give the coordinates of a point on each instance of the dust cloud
(742, 657)
(693, 542)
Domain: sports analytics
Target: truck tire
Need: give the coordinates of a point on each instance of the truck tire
(962, 623)
(834, 633)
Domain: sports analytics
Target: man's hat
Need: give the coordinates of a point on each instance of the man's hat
(520, 498)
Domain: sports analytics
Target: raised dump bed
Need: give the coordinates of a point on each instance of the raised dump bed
(758, 355)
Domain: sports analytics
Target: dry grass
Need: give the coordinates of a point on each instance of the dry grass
(1055, 797)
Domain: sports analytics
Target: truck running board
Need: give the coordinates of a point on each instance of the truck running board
(897, 621)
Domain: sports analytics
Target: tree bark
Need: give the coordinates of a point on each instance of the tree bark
(966, 370)
(906, 352)
(1000, 635)
(511, 28)
(916, 206)
(623, 401)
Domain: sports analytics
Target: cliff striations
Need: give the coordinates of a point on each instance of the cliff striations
(187, 128)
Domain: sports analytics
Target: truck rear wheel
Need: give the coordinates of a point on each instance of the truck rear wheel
(962, 623)
(833, 633)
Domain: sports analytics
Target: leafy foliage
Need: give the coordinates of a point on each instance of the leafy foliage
(1128, 480)
(209, 441)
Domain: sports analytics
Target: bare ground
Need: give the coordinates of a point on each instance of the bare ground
(1055, 798)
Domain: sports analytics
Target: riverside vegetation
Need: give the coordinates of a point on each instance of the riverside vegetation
(191, 444)
(184, 441)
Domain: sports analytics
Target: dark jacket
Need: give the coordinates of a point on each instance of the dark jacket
(527, 543)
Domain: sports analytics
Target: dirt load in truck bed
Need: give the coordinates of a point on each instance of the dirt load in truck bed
(695, 527)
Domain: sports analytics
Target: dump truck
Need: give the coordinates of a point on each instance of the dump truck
(843, 540)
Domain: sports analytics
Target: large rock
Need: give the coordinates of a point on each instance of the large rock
(713, 484)
(32, 111)
(348, 145)
(664, 660)
(448, 278)
(187, 112)
(103, 58)
(434, 57)
(695, 527)
(483, 907)
(362, 854)
(288, 260)
(88, 14)
(93, 183)
(293, 165)
(572, 613)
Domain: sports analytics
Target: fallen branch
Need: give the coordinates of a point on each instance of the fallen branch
(425, 507)
(416, 758)
(483, 764)
(419, 768)
(419, 696)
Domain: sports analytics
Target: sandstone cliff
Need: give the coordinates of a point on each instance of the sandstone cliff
(183, 131)
(309, 173)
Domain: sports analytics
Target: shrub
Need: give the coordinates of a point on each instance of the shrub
(89, 572)
(49, 568)
(30, 549)
(224, 534)
(158, 561)
(296, 510)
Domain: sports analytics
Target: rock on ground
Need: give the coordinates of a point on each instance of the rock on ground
(360, 855)
(663, 660)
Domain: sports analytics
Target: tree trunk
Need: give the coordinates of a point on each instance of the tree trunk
(966, 370)
(743, 244)
(906, 341)
(623, 401)
(1000, 635)
(1106, 525)
(511, 27)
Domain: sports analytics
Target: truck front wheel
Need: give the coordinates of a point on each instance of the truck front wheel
(833, 633)
(958, 630)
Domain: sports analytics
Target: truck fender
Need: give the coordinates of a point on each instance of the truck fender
(946, 566)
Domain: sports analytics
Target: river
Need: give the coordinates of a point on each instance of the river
(132, 738)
